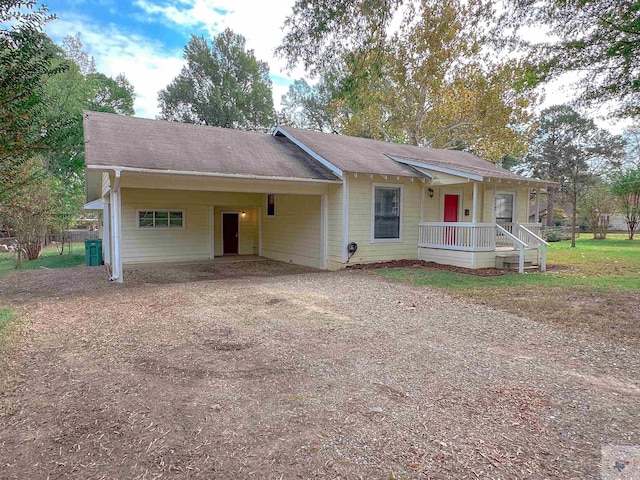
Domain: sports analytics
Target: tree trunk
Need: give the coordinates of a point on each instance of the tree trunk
(574, 216)
(551, 197)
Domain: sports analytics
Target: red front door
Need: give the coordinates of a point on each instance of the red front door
(450, 215)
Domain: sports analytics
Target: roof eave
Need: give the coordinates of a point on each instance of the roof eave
(103, 168)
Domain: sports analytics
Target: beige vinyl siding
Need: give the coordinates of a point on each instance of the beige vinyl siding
(523, 205)
(106, 184)
(447, 257)
(360, 220)
(165, 245)
(434, 207)
(203, 183)
(489, 195)
(468, 259)
(334, 226)
(248, 229)
(293, 235)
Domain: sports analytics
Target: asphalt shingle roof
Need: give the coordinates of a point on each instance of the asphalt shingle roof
(354, 154)
(115, 140)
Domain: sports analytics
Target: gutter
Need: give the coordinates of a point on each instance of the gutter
(208, 174)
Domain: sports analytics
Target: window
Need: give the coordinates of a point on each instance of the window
(160, 218)
(271, 204)
(386, 212)
(504, 207)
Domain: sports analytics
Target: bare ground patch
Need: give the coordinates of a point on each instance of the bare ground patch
(269, 371)
(613, 315)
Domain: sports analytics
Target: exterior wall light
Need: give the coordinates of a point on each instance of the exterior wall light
(431, 192)
(243, 214)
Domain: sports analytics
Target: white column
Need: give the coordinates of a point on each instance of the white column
(116, 213)
(106, 233)
(212, 238)
(345, 216)
(324, 223)
(260, 230)
(474, 214)
(422, 191)
(537, 217)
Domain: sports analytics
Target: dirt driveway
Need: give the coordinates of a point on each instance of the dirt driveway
(264, 370)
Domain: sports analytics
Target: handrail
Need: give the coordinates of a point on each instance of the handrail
(455, 224)
(517, 243)
(543, 246)
(537, 238)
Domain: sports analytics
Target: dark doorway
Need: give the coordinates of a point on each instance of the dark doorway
(230, 233)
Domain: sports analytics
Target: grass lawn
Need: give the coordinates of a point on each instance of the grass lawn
(593, 288)
(49, 258)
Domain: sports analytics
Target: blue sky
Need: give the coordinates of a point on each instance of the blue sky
(144, 38)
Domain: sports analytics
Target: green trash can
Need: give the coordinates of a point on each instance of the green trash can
(93, 252)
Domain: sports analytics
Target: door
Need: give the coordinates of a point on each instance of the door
(230, 233)
(504, 210)
(451, 204)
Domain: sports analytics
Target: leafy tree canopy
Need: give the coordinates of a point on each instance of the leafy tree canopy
(25, 65)
(222, 84)
(429, 82)
(597, 38)
(571, 150)
(626, 186)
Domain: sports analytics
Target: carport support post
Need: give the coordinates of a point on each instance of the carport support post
(260, 231)
(324, 223)
(116, 214)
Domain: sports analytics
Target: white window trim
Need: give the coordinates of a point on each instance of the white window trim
(162, 229)
(457, 192)
(373, 212)
(266, 205)
(514, 213)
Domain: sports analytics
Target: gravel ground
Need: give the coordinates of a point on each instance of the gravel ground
(264, 370)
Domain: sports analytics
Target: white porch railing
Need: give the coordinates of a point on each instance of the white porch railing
(472, 237)
(483, 237)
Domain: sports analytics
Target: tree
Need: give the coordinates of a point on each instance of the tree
(427, 82)
(569, 149)
(597, 205)
(25, 65)
(222, 84)
(599, 39)
(306, 106)
(632, 137)
(78, 87)
(626, 186)
(30, 212)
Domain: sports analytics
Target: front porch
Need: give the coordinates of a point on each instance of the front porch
(483, 245)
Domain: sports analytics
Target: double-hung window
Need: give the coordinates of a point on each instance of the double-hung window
(160, 218)
(504, 208)
(387, 213)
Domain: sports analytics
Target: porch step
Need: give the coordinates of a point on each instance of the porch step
(512, 262)
(514, 266)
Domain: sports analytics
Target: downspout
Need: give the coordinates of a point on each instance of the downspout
(117, 229)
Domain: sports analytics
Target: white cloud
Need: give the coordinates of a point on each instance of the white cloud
(260, 22)
(145, 63)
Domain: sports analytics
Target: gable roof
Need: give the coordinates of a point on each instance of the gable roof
(363, 155)
(139, 143)
(115, 141)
